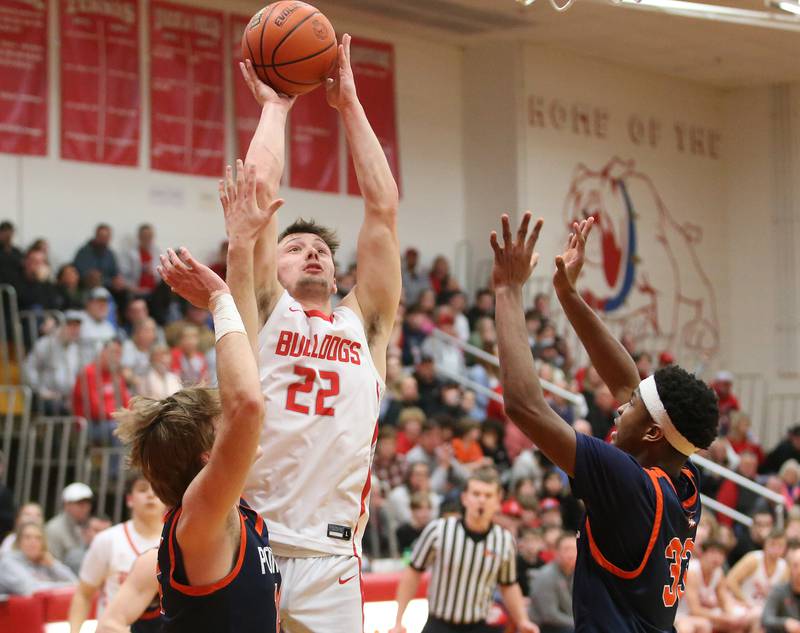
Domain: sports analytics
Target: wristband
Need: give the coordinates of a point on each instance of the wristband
(226, 317)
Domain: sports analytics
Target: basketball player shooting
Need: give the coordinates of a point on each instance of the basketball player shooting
(322, 370)
(641, 493)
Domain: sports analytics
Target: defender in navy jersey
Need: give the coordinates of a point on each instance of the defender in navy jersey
(641, 494)
(216, 573)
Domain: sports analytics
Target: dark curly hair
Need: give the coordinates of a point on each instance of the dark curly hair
(690, 403)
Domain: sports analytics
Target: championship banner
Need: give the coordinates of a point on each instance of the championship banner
(245, 108)
(373, 69)
(314, 144)
(23, 76)
(100, 98)
(187, 105)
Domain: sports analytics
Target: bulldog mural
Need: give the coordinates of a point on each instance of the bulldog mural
(642, 265)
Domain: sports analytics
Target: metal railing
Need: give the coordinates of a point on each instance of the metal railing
(17, 414)
(782, 410)
(11, 347)
(104, 473)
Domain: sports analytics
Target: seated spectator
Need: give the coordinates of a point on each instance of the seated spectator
(100, 390)
(93, 527)
(492, 433)
(188, 362)
(450, 401)
(196, 317)
(388, 466)
(97, 255)
(545, 338)
(446, 356)
(739, 436)
(484, 335)
(483, 307)
(788, 448)
(34, 289)
(720, 452)
(526, 468)
(410, 427)
(753, 539)
(414, 280)
(789, 475)
(758, 572)
(64, 530)
(727, 402)
(437, 455)
(602, 411)
(510, 516)
(136, 352)
(398, 503)
(406, 398)
(554, 486)
(69, 294)
(551, 589)
(52, 365)
(417, 326)
(734, 496)
(529, 545)
(29, 567)
(782, 609)
(96, 328)
(27, 513)
(10, 256)
(421, 515)
(457, 304)
(706, 606)
(550, 513)
(159, 382)
(136, 313)
(140, 263)
(439, 275)
(644, 363)
(428, 385)
(467, 447)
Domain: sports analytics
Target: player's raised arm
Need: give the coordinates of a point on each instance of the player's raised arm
(215, 491)
(133, 597)
(267, 152)
(245, 221)
(525, 405)
(609, 357)
(378, 259)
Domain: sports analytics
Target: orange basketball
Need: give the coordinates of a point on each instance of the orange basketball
(292, 46)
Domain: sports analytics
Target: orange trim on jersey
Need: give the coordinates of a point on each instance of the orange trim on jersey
(319, 314)
(205, 590)
(609, 566)
(130, 540)
(150, 615)
(693, 499)
(259, 523)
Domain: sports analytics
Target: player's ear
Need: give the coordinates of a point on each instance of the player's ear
(654, 433)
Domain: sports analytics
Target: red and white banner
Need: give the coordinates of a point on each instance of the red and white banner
(187, 104)
(245, 109)
(100, 98)
(314, 144)
(373, 69)
(23, 76)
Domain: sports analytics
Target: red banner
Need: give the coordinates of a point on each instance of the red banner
(187, 105)
(245, 108)
(314, 144)
(373, 69)
(23, 76)
(100, 81)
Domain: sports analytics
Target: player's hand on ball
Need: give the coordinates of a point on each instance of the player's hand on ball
(244, 219)
(341, 86)
(261, 91)
(515, 260)
(570, 262)
(189, 278)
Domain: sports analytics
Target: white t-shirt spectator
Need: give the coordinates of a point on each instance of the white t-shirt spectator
(133, 358)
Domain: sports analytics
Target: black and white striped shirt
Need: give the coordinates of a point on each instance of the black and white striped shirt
(466, 568)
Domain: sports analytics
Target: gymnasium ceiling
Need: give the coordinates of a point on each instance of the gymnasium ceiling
(711, 52)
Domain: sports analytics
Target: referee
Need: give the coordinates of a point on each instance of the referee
(470, 557)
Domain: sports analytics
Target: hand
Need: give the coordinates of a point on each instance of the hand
(262, 92)
(444, 455)
(792, 626)
(190, 279)
(514, 261)
(570, 262)
(47, 560)
(341, 86)
(399, 628)
(526, 626)
(244, 219)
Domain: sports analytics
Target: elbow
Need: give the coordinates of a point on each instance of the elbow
(249, 409)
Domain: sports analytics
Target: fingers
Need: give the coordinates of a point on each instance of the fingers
(537, 228)
(176, 262)
(498, 252)
(230, 188)
(240, 190)
(223, 197)
(250, 181)
(346, 39)
(534, 260)
(587, 228)
(560, 265)
(188, 258)
(276, 204)
(522, 231)
(506, 230)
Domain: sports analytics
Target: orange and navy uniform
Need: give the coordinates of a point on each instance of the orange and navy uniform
(635, 542)
(150, 621)
(246, 600)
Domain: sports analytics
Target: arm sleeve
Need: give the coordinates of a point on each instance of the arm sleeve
(508, 568)
(94, 568)
(426, 546)
(14, 578)
(544, 593)
(771, 619)
(62, 574)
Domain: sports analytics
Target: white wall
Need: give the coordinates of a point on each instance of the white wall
(63, 200)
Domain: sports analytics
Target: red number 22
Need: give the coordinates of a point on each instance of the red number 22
(307, 385)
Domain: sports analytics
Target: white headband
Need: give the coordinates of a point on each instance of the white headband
(651, 399)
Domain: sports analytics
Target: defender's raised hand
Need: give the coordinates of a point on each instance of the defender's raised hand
(515, 260)
(244, 219)
(190, 279)
(341, 86)
(262, 92)
(570, 262)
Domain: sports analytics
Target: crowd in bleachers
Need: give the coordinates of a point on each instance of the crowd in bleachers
(105, 328)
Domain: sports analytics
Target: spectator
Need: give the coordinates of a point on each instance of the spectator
(734, 496)
(545, 338)
(220, 264)
(421, 515)
(140, 263)
(28, 513)
(782, 610)
(550, 513)
(438, 457)
(406, 398)
(52, 365)
(728, 403)
(788, 448)
(75, 556)
(551, 589)
(665, 359)
(29, 567)
(34, 289)
(428, 385)
(136, 313)
(159, 382)
(410, 424)
(69, 295)
(389, 466)
(100, 390)
(457, 305)
(758, 572)
(467, 447)
(582, 426)
(739, 436)
(789, 475)
(485, 335)
(554, 487)
(416, 328)
(529, 545)
(414, 281)
(720, 452)
(439, 275)
(196, 317)
(97, 255)
(136, 351)
(644, 363)
(754, 538)
(602, 411)
(187, 361)
(96, 328)
(492, 433)
(64, 530)
(10, 256)
(484, 307)
(398, 503)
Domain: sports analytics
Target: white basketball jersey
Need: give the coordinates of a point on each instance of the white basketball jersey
(322, 394)
(757, 586)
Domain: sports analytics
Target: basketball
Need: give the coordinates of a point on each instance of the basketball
(292, 46)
